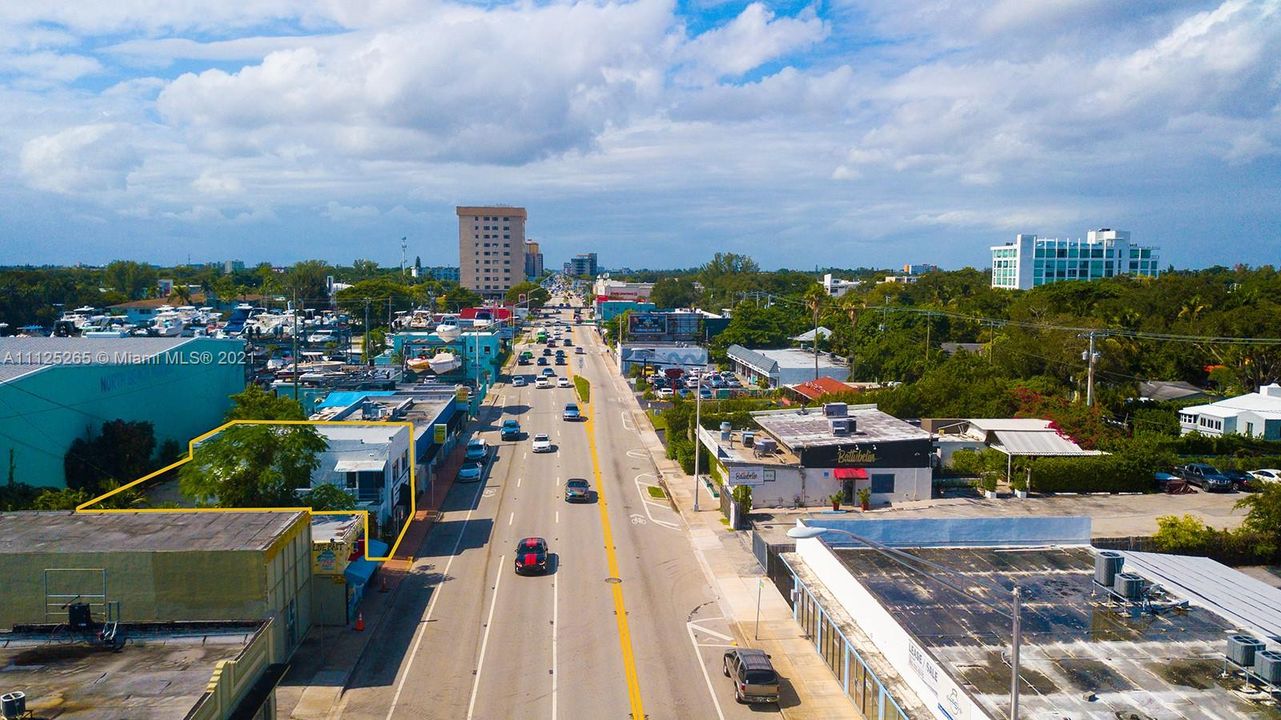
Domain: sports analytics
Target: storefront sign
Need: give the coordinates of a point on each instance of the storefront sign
(855, 457)
(746, 475)
(439, 433)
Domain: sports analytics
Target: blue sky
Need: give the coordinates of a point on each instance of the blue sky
(656, 133)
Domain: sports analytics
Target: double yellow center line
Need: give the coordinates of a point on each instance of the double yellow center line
(611, 558)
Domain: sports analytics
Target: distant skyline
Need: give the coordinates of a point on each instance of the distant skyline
(654, 133)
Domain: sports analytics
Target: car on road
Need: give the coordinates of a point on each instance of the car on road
(1267, 475)
(1204, 476)
(571, 412)
(579, 350)
(569, 343)
(523, 360)
(753, 674)
(542, 361)
(476, 450)
(471, 471)
(548, 372)
(542, 383)
(547, 351)
(562, 382)
(531, 556)
(560, 359)
(510, 430)
(577, 490)
(519, 381)
(542, 443)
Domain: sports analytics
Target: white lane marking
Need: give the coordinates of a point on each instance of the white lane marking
(517, 482)
(558, 517)
(702, 665)
(431, 606)
(489, 623)
(510, 518)
(627, 421)
(645, 501)
(555, 629)
(557, 481)
(637, 454)
(713, 633)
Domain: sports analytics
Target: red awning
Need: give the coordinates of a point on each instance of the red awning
(850, 473)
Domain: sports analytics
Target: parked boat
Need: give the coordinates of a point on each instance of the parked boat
(443, 362)
(448, 332)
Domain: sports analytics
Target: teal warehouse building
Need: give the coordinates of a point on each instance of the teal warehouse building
(54, 390)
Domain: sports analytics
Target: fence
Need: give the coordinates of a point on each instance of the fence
(775, 569)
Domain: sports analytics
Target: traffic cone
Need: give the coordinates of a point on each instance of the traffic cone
(360, 622)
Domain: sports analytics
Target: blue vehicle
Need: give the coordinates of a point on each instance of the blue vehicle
(571, 413)
(477, 450)
(510, 430)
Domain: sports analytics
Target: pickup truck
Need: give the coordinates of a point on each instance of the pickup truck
(1204, 476)
(511, 430)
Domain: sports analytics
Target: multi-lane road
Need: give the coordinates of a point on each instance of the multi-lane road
(625, 624)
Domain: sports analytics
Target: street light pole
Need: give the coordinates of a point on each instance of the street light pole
(804, 532)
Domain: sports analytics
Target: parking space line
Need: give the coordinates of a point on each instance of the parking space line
(702, 665)
(484, 643)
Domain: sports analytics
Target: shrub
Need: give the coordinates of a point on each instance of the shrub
(1188, 535)
(742, 494)
(1101, 474)
(583, 388)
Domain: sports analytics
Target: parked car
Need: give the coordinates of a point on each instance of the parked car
(577, 490)
(471, 471)
(476, 450)
(571, 412)
(510, 430)
(1240, 478)
(753, 674)
(1204, 476)
(1267, 475)
(666, 393)
(531, 556)
(542, 443)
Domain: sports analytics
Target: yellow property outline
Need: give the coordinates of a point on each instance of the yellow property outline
(191, 450)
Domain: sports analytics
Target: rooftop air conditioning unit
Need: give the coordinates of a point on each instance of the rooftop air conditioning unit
(836, 409)
(1267, 665)
(840, 425)
(1129, 586)
(766, 446)
(749, 438)
(1106, 565)
(1242, 649)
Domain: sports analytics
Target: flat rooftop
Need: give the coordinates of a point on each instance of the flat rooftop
(67, 532)
(156, 676)
(810, 428)
(1075, 646)
(733, 450)
(21, 355)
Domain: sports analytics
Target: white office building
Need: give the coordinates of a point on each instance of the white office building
(1030, 261)
(1255, 415)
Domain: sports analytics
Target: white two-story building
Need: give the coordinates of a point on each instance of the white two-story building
(1256, 415)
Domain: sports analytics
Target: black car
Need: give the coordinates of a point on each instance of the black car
(1206, 477)
(1240, 479)
(531, 556)
(547, 352)
(542, 361)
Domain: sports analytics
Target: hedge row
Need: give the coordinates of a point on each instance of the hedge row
(1101, 474)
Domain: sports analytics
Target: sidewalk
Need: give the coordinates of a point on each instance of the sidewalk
(324, 661)
(728, 562)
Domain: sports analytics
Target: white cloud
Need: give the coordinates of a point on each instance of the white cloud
(750, 40)
(86, 158)
(342, 213)
(49, 66)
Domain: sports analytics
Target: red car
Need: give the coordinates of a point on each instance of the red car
(531, 556)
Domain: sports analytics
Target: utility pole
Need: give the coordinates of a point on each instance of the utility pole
(1091, 357)
(402, 256)
(698, 419)
(297, 370)
(1015, 642)
(927, 339)
(816, 341)
(364, 348)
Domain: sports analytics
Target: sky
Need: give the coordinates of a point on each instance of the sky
(838, 133)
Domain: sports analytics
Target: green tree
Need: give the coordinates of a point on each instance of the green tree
(327, 496)
(121, 453)
(1264, 511)
(363, 269)
(253, 466)
(537, 295)
(307, 280)
(377, 292)
(457, 297)
(133, 279)
(674, 292)
(62, 499)
(254, 403)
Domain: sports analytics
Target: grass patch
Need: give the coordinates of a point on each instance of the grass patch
(658, 421)
(725, 521)
(656, 492)
(583, 388)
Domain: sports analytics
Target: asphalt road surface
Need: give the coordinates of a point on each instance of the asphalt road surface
(624, 625)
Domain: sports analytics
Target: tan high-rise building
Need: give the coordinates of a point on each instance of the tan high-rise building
(491, 249)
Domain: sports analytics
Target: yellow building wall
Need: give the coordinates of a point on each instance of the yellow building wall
(231, 679)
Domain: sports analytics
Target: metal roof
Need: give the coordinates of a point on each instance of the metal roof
(1043, 443)
(1237, 597)
(180, 530)
(22, 355)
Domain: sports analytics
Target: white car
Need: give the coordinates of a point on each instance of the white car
(542, 443)
(562, 382)
(666, 393)
(1267, 475)
(542, 383)
(519, 381)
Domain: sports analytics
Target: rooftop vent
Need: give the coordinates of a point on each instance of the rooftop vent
(1106, 565)
(840, 425)
(13, 705)
(1242, 649)
(835, 410)
(766, 446)
(1267, 665)
(749, 438)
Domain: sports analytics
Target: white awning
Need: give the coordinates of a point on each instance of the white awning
(1045, 444)
(360, 465)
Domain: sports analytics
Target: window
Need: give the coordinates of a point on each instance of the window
(882, 483)
(1249, 428)
(351, 480)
